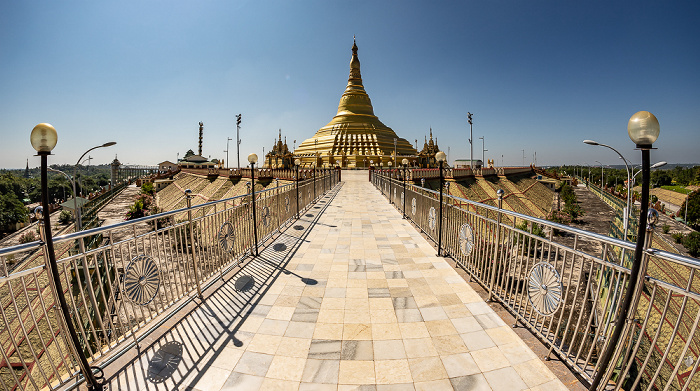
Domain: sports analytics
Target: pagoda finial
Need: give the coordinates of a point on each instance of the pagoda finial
(280, 134)
(355, 63)
(431, 132)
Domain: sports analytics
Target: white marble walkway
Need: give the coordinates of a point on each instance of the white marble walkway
(351, 297)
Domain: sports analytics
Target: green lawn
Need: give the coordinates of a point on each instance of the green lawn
(677, 189)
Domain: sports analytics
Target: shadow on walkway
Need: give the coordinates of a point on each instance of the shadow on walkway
(198, 337)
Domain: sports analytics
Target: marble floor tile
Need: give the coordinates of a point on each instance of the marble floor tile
(357, 350)
(359, 302)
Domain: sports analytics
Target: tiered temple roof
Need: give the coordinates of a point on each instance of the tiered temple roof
(280, 156)
(355, 136)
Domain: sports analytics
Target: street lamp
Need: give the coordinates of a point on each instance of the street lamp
(602, 184)
(71, 181)
(405, 164)
(630, 180)
(238, 140)
(440, 157)
(252, 159)
(643, 129)
(44, 138)
(297, 162)
(389, 164)
(78, 221)
(483, 149)
(471, 144)
(227, 140)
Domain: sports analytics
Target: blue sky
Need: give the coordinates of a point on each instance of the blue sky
(538, 75)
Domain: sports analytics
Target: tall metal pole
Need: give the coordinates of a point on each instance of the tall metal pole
(471, 138)
(252, 195)
(440, 214)
(238, 140)
(634, 276)
(90, 378)
(78, 222)
(195, 266)
(227, 140)
(404, 189)
(297, 182)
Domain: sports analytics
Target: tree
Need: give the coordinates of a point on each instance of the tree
(693, 202)
(12, 211)
(692, 243)
(661, 178)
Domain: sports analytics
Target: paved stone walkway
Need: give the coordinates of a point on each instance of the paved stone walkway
(351, 297)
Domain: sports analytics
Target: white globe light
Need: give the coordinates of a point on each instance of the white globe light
(643, 128)
(440, 156)
(44, 137)
(252, 158)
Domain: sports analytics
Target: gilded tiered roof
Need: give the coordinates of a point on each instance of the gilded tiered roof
(355, 135)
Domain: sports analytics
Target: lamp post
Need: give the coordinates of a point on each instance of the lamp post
(252, 159)
(313, 179)
(602, 184)
(238, 140)
(227, 140)
(405, 165)
(44, 139)
(440, 156)
(297, 162)
(471, 137)
(78, 222)
(71, 181)
(630, 180)
(643, 129)
(389, 164)
(483, 150)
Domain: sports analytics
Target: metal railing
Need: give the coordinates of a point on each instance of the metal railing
(566, 285)
(139, 273)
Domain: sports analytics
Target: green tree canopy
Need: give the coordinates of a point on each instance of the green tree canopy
(693, 202)
(12, 211)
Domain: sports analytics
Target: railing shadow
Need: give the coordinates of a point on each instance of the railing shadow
(203, 337)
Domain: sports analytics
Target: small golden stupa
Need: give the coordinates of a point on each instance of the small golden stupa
(355, 136)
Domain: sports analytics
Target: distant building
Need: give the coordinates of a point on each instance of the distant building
(280, 156)
(167, 166)
(464, 163)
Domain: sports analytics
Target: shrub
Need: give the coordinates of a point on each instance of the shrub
(677, 237)
(560, 217)
(140, 208)
(65, 217)
(692, 243)
(665, 228)
(27, 237)
(147, 188)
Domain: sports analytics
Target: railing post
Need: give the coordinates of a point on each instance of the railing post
(404, 191)
(297, 183)
(492, 280)
(252, 196)
(313, 179)
(440, 214)
(188, 196)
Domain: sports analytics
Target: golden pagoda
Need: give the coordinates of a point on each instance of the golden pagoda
(355, 136)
